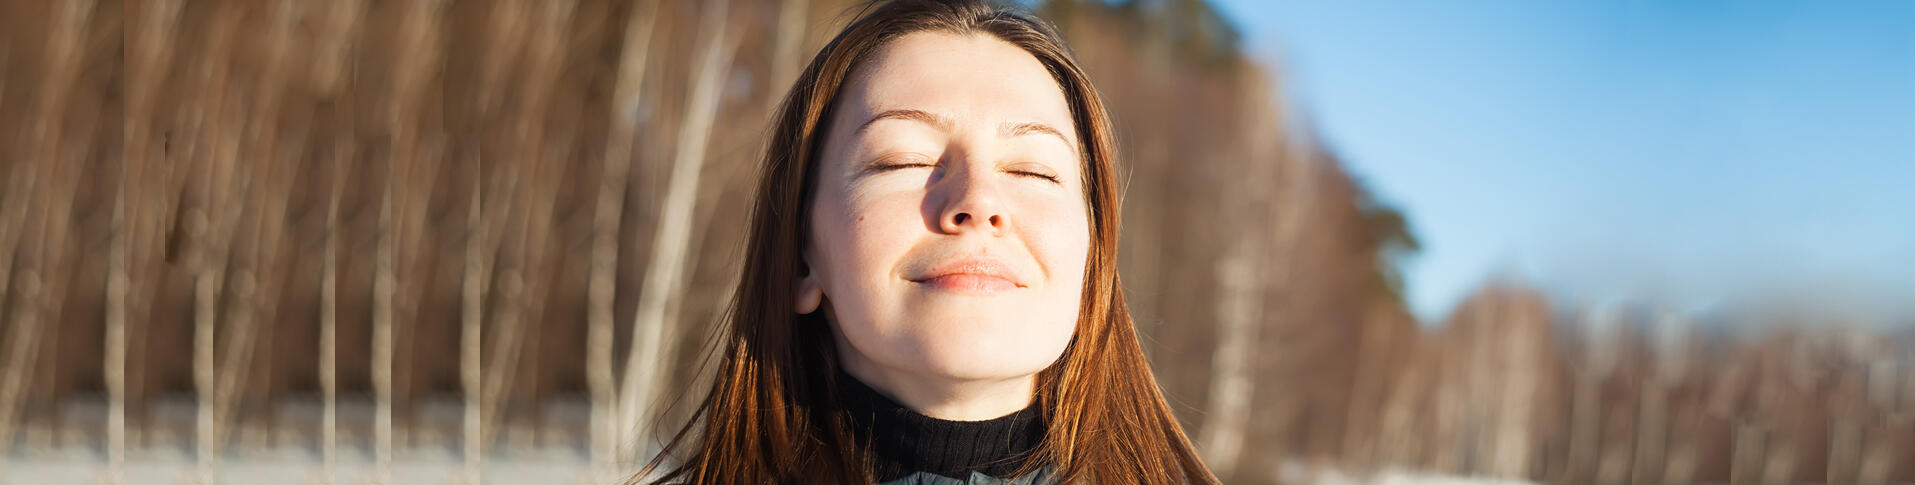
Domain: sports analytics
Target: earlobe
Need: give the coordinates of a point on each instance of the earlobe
(810, 292)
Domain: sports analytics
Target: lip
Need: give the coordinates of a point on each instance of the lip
(970, 275)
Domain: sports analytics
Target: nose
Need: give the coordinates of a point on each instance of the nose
(972, 202)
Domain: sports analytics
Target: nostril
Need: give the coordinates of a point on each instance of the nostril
(996, 220)
(961, 217)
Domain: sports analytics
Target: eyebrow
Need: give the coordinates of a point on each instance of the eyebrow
(1006, 129)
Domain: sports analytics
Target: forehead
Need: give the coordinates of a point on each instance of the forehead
(970, 77)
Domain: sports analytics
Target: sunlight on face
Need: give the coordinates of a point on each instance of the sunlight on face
(949, 231)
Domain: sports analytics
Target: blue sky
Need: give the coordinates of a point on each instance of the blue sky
(1692, 153)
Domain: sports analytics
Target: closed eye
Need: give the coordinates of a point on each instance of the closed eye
(889, 166)
(897, 162)
(1049, 177)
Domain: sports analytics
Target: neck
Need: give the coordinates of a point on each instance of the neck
(903, 443)
(946, 398)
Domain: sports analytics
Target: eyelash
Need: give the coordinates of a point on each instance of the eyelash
(1052, 178)
(886, 167)
(896, 166)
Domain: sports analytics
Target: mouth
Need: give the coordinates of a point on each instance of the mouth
(970, 276)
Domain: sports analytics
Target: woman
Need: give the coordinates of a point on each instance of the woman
(930, 293)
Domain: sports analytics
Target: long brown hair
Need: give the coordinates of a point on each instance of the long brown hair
(771, 415)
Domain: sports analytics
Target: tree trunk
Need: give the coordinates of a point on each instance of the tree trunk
(472, 273)
(329, 318)
(1231, 368)
(264, 217)
(786, 47)
(521, 273)
(208, 228)
(1243, 276)
(605, 228)
(150, 27)
(1747, 454)
(48, 187)
(665, 271)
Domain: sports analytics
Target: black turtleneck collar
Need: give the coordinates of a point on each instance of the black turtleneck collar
(904, 442)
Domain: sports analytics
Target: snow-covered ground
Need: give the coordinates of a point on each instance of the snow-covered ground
(1297, 472)
(555, 467)
(73, 452)
(553, 454)
(178, 467)
(414, 468)
(1401, 477)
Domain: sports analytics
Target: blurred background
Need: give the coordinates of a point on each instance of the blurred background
(454, 241)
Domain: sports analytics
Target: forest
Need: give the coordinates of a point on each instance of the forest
(458, 239)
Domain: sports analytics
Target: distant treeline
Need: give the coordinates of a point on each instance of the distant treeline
(508, 205)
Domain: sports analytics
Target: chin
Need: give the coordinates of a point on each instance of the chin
(978, 356)
(963, 342)
(981, 366)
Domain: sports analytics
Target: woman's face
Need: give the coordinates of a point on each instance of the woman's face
(949, 232)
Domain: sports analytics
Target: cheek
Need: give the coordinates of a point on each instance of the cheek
(1059, 237)
(868, 236)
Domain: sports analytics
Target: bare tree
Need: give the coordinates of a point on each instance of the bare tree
(252, 302)
(208, 224)
(665, 272)
(51, 174)
(1243, 273)
(605, 226)
(786, 46)
(521, 272)
(329, 317)
(338, 24)
(505, 28)
(136, 213)
(407, 181)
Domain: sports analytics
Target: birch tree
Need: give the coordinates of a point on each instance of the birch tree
(520, 270)
(137, 211)
(664, 274)
(51, 174)
(1244, 272)
(338, 27)
(504, 27)
(605, 227)
(214, 152)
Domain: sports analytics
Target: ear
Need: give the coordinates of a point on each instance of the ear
(810, 290)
